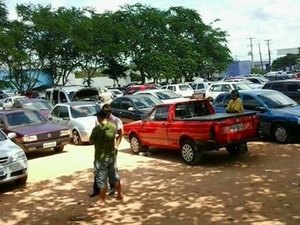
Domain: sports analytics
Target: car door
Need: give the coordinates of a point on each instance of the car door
(293, 90)
(60, 114)
(154, 130)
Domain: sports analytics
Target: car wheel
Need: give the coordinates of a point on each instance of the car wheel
(21, 181)
(76, 140)
(281, 134)
(135, 144)
(59, 149)
(237, 149)
(190, 153)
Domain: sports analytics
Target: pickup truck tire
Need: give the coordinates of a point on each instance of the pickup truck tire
(59, 149)
(281, 134)
(135, 144)
(237, 149)
(190, 153)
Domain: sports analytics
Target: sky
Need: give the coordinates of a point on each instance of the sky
(261, 21)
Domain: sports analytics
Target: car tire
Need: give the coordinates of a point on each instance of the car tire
(76, 140)
(237, 149)
(190, 153)
(21, 181)
(135, 144)
(59, 148)
(281, 134)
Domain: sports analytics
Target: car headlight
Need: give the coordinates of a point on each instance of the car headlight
(64, 133)
(29, 138)
(19, 156)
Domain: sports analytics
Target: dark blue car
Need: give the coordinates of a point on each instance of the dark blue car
(279, 115)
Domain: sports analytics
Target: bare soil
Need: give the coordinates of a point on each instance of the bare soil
(259, 188)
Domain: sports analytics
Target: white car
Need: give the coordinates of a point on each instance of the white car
(221, 87)
(116, 92)
(183, 90)
(9, 101)
(13, 161)
(166, 96)
(80, 117)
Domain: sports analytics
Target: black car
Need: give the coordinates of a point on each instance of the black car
(130, 108)
(290, 87)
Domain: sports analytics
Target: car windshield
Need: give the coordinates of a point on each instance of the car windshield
(84, 110)
(184, 87)
(38, 105)
(241, 86)
(165, 95)
(24, 118)
(143, 102)
(275, 100)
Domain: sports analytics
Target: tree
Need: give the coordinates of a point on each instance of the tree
(286, 62)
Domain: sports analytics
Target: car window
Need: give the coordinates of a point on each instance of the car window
(171, 88)
(292, 87)
(216, 87)
(55, 111)
(278, 87)
(164, 95)
(276, 100)
(183, 87)
(161, 113)
(64, 112)
(226, 88)
(24, 118)
(219, 100)
(250, 103)
(117, 103)
(126, 104)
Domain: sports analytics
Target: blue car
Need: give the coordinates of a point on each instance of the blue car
(279, 115)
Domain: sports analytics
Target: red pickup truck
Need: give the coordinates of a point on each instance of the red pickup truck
(192, 126)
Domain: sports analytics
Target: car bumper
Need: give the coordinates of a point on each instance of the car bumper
(13, 171)
(45, 144)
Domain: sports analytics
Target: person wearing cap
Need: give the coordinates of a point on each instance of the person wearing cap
(235, 104)
(103, 137)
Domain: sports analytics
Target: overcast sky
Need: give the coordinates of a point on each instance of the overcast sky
(274, 20)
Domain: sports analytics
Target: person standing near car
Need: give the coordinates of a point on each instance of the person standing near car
(103, 137)
(119, 135)
(235, 104)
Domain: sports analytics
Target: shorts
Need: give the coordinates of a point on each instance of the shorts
(104, 170)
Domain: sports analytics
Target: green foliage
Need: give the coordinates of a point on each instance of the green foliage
(287, 61)
(257, 71)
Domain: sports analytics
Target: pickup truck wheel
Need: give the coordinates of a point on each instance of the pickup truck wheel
(190, 153)
(135, 144)
(281, 134)
(237, 149)
(76, 138)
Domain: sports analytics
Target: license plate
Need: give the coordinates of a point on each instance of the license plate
(49, 144)
(237, 127)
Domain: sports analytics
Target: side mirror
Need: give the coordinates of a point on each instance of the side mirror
(11, 135)
(130, 108)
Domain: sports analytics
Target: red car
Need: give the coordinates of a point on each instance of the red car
(33, 131)
(134, 88)
(192, 127)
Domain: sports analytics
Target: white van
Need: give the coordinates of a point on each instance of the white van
(71, 93)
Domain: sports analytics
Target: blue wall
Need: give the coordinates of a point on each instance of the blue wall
(238, 68)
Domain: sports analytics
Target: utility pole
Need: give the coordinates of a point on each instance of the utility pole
(251, 51)
(261, 62)
(269, 53)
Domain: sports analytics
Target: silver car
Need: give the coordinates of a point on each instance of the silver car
(79, 116)
(13, 161)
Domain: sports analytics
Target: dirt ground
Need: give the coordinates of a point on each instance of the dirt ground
(259, 188)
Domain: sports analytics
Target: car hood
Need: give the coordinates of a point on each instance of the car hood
(8, 148)
(38, 128)
(173, 100)
(290, 110)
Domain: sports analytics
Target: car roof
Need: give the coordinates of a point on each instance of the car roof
(75, 103)
(12, 110)
(285, 80)
(253, 91)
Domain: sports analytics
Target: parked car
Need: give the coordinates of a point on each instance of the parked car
(279, 115)
(183, 90)
(78, 116)
(13, 161)
(33, 131)
(222, 87)
(116, 92)
(200, 88)
(134, 88)
(166, 96)
(40, 105)
(9, 101)
(257, 80)
(71, 93)
(133, 107)
(289, 87)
